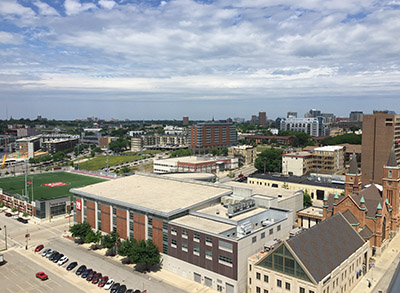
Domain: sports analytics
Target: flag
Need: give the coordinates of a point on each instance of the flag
(4, 160)
(29, 182)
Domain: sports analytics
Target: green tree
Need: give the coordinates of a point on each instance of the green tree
(93, 237)
(269, 160)
(109, 240)
(126, 247)
(80, 230)
(144, 253)
(181, 153)
(307, 201)
(14, 210)
(285, 185)
(125, 169)
(350, 138)
(214, 151)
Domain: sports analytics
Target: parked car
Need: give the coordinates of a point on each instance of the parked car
(45, 252)
(103, 281)
(52, 255)
(115, 287)
(129, 291)
(90, 276)
(49, 253)
(121, 289)
(62, 260)
(109, 283)
(80, 270)
(96, 278)
(39, 247)
(24, 221)
(42, 276)
(8, 215)
(58, 257)
(72, 265)
(86, 273)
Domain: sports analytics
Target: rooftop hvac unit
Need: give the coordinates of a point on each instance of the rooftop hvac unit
(270, 245)
(246, 227)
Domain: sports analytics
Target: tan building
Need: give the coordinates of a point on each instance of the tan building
(245, 153)
(297, 164)
(329, 257)
(381, 131)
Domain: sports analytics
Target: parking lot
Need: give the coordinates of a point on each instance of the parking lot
(18, 275)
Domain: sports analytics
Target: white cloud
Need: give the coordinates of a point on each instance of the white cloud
(108, 4)
(45, 9)
(8, 38)
(73, 7)
(12, 7)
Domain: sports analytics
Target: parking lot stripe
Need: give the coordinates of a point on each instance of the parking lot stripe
(22, 289)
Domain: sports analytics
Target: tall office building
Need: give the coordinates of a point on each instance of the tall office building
(185, 121)
(205, 136)
(381, 131)
(262, 118)
(313, 113)
(311, 126)
(356, 116)
(291, 114)
(254, 119)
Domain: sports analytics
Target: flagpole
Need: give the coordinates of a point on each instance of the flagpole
(32, 189)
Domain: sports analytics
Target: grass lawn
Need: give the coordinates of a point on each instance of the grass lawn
(41, 191)
(99, 162)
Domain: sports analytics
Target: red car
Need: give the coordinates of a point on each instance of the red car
(103, 281)
(39, 248)
(96, 278)
(42, 276)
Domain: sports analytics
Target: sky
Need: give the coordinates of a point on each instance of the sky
(137, 59)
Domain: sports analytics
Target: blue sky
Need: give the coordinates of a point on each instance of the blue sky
(68, 59)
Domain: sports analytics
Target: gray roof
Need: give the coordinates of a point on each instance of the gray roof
(325, 246)
(372, 196)
(366, 232)
(392, 162)
(353, 165)
(351, 218)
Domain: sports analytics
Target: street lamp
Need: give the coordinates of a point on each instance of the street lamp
(5, 235)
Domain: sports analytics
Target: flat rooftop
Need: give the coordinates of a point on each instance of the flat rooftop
(298, 154)
(193, 175)
(220, 211)
(160, 194)
(204, 224)
(258, 190)
(311, 211)
(192, 159)
(329, 148)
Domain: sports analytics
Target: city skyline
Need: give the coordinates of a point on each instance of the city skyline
(168, 59)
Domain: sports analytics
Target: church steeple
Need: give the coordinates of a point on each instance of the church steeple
(353, 178)
(391, 187)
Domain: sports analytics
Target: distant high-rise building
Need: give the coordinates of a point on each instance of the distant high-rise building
(329, 117)
(262, 118)
(185, 121)
(39, 117)
(313, 113)
(229, 120)
(379, 135)
(311, 126)
(291, 114)
(205, 136)
(254, 119)
(356, 116)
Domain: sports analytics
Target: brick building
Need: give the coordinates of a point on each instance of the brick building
(373, 210)
(205, 136)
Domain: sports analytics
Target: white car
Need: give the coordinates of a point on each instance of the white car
(108, 285)
(62, 260)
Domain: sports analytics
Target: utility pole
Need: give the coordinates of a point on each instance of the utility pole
(26, 180)
(5, 235)
(79, 160)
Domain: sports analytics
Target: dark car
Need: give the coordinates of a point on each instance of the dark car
(115, 288)
(129, 291)
(137, 291)
(122, 289)
(53, 255)
(45, 251)
(19, 219)
(81, 270)
(103, 281)
(49, 253)
(24, 221)
(96, 278)
(86, 273)
(72, 265)
(58, 257)
(8, 215)
(90, 276)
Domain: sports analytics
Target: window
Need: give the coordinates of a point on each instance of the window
(208, 241)
(184, 234)
(173, 231)
(250, 268)
(265, 291)
(258, 276)
(254, 239)
(266, 279)
(258, 290)
(279, 228)
(262, 235)
(209, 254)
(250, 281)
(196, 237)
(279, 283)
(225, 260)
(196, 250)
(390, 174)
(173, 243)
(271, 231)
(302, 290)
(287, 286)
(184, 247)
(310, 291)
(225, 245)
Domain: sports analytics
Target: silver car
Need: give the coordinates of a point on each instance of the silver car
(62, 260)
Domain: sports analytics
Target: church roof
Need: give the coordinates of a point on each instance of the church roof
(325, 246)
(392, 162)
(372, 196)
(351, 218)
(354, 165)
(366, 232)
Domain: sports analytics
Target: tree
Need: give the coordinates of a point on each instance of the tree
(80, 230)
(93, 237)
(126, 246)
(14, 210)
(270, 160)
(144, 253)
(285, 185)
(109, 240)
(181, 153)
(307, 201)
(214, 151)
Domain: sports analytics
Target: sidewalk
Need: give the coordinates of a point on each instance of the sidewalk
(385, 268)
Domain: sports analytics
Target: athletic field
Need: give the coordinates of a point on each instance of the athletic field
(47, 185)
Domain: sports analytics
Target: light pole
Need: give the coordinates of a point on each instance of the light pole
(5, 235)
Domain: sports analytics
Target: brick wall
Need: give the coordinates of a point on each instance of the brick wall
(91, 213)
(157, 233)
(122, 223)
(105, 218)
(139, 227)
